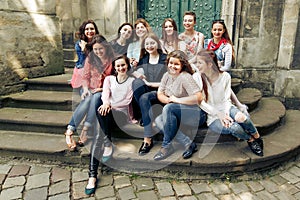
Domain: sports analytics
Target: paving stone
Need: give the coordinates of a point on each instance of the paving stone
(142, 184)
(206, 196)
(38, 193)
(187, 198)
(265, 195)
(105, 192)
(4, 169)
(147, 195)
(164, 189)
(278, 180)
(289, 188)
(38, 180)
(2, 178)
(12, 193)
(59, 187)
(298, 185)
(38, 170)
(126, 193)
(290, 177)
(229, 197)
(65, 196)
(238, 187)
(219, 188)
(59, 174)
(19, 170)
(283, 195)
(255, 186)
(14, 181)
(106, 180)
(248, 196)
(182, 189)
(269, 186)
(297, 195)
(295, 170)
(200, 187)
(79, 176)
(121, 181)
(78, 190)
(168, 198)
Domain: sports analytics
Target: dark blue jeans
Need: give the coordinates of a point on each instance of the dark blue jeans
(146, 98)
(174, 119)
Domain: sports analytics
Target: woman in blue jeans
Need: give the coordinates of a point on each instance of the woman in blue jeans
(222, 116)
(149, 72)
(181, 94)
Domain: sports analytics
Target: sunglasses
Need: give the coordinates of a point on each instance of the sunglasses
(218, 21)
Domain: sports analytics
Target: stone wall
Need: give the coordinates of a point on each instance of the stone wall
(30, 42)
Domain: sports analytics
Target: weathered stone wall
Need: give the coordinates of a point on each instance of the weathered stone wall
(30, 42)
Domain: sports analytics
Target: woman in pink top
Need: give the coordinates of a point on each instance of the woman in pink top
(97, 66)
(115, 109)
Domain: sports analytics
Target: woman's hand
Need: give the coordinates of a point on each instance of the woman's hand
(82, 44)
(225, 119)
(85, 93)
(104, 109)
(173, 99)
(96, 90)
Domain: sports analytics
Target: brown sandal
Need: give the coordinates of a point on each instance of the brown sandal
(83, 136)
(69, 140)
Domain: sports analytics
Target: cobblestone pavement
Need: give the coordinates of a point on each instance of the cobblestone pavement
(32, 180)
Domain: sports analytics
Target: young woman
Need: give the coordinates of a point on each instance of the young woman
(115, 109)
(221, 44)
(223, 116)
(149, 72)
(125, 36)
(169, 39)
(97, 66)
(193, 40)
(181, 94)
(85, 34)
(142, 28)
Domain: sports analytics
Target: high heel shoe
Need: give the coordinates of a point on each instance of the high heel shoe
(83, 137)
(107, 156)
(89, 191)
(69, 140)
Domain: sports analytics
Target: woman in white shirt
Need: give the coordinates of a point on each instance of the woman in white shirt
(222, 116)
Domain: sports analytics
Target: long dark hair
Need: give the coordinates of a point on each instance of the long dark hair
(154, 37)
(119, 32)
(225, 34)
(80, 33)
(94, 60)
(185, 65)
(175, 32)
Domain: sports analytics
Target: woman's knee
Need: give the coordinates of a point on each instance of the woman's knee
(137, 83)
(240, 117)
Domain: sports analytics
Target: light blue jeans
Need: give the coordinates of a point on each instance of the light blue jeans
(176, 118)
(86, 108)
(242, 130)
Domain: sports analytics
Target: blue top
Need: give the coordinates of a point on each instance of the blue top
(80, 55)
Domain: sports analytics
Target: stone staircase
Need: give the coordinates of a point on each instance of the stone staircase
(32, 124)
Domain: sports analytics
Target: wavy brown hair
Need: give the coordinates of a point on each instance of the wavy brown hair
(185, 65)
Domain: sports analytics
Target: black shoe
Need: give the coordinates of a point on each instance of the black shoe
(260, 142)
(160, 155)
(255, 148)
(141, 123)
(189, 152)
(145, 148)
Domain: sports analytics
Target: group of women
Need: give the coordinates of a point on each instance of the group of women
(120, 81)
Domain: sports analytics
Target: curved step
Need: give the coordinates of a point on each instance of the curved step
(250, 97)
(229, 157)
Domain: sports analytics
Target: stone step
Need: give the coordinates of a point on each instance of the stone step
(41, 99)
(34, 120)
(229, 157)
(250, 97)
(50, 83)
(69, 54)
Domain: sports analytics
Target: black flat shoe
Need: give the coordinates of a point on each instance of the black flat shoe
(255, 148)
(89, 191)
(260, 142)
(189, 152)
(160, 155)
(145, 148)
